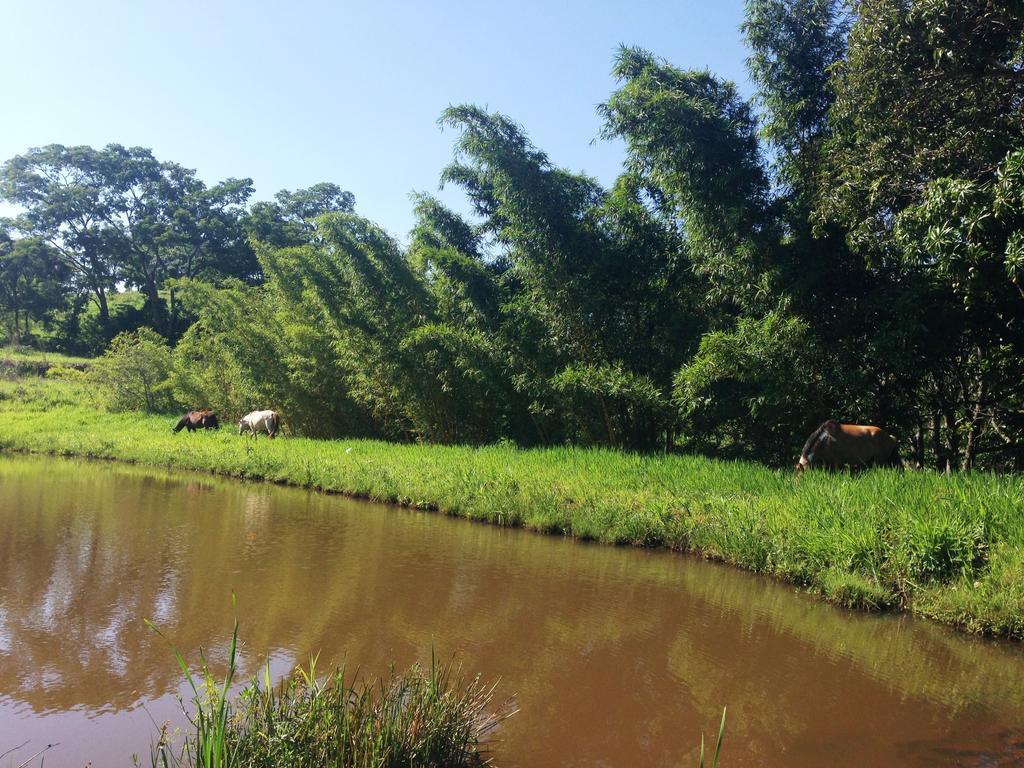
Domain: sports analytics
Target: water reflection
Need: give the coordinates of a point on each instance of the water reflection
(615, 657)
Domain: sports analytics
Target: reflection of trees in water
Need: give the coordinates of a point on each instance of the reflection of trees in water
(591, 640)
(909, 657)
(883, 677)
(77, 580)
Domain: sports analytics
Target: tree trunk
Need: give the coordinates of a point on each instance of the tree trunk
(153, 297)
(972, 442)
(975, 431)
(952, 440)
(940, 454)
(172, 313)
(607, 421)
(101, 301)
(540, 430)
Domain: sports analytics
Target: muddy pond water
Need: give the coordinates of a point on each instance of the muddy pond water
(614, 657)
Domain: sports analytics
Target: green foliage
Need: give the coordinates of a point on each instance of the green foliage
(134, 374)
(945, 546)
(718, 744)
(205, 374)
(928, 91)
(454, 393)
(759, 389)
(589, 280)
(794, 44)
(922, 168)
(415, 720)
(845, 244)
(289, 220)
(852, 590)
(967, 234)
(210, 746)
(547, 220)
(610, 405)
(119, 215)
(364, 298)
(693, 142)
(32, 283)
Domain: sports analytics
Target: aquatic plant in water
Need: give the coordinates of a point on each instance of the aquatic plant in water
(420, 719)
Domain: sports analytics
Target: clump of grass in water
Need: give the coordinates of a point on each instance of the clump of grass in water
(209, 745)
(416, 720)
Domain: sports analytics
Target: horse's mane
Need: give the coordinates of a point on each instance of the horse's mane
(816, 435)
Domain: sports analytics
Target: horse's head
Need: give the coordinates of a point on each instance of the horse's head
(820, 439)
(241, 426)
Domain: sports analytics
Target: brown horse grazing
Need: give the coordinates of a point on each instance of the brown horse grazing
(194, 420)
(834, 445)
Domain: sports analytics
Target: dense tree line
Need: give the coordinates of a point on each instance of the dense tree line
(850, 244)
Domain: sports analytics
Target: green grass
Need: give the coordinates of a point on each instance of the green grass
(949, 548)
(718, 745)
(419, 719)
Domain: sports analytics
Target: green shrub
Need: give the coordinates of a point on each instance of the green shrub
(135, 373)
(205, 374)
(747, 388)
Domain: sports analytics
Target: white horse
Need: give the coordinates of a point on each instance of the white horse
(260, 421)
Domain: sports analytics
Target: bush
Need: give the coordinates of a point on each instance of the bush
(135, 373)
(205, 374)
(611, 405)
(753, 392)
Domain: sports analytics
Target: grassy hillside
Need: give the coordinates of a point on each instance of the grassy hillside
(23, 361)
(950, 548)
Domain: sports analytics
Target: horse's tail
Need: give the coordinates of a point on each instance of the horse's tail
(273, 424)
(180, 425)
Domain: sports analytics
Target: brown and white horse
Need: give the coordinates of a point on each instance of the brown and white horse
(194, 420)
(834, 445)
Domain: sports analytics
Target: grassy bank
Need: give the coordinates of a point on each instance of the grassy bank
(950, 548)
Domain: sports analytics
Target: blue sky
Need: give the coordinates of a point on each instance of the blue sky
(292, 93)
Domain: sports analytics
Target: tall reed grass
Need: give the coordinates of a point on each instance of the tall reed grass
(420, 719)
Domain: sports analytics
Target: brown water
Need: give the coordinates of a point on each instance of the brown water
(615, 657)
